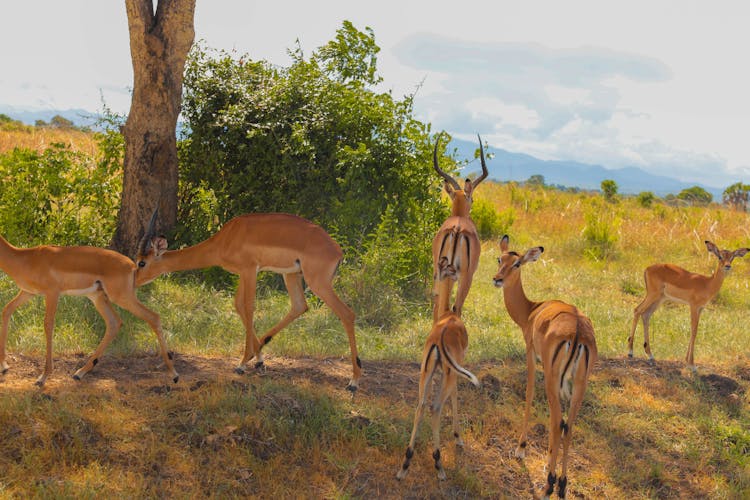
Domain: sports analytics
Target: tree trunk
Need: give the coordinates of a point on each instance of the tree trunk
(159, 44)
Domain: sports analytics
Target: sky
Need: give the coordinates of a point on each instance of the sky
(660, 85)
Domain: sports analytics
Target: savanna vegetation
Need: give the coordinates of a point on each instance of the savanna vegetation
(645, 431)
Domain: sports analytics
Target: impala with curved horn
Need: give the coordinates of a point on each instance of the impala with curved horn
(282, 243)
(670, 282)
(457, 239)
(561, 337)
(104, 276)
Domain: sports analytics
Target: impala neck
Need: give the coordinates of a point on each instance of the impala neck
(460, 206)
(444, 295)
(518, 305)
(195, 257)
(7, 252)
(718, 278)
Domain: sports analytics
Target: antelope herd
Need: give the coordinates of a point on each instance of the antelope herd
(556, 334)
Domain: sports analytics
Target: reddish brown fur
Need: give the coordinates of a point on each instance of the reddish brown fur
(563, 338)
(283, 243)
(101, 275)
(670, 282)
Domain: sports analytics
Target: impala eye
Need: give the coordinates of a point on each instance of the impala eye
(141, 263)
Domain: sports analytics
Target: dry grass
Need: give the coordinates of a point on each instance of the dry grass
(40, 138)
(126, 431)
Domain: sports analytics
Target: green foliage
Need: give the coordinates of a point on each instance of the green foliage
(695, 195)
(535, 181)
(646, 199)
(310, 139)
(609, 189)
(600, 234)
(58, 196)
(491, 224)
(736, 196)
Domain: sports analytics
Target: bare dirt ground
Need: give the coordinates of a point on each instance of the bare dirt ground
(488, 455)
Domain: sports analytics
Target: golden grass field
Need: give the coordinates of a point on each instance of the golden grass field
(292, 431)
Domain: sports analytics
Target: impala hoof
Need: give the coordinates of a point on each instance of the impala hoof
(176, 379)
(239, 370)
(352, 387)
(260, 366)
(76, 377)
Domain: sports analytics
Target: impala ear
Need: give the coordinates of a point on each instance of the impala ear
(713, 249)
(450, 190)
(504, 243)
(741, 252)
(532, 254)
(160, 245)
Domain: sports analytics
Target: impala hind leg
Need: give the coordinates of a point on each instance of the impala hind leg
(429, 365)
(556, 427)
(50, 302)
(643, 311)
(447, 388)
(293, 282)
(8, 311)
(113, 322)
(579, 388)
(244, 302)
(695, 316)
(323, 288)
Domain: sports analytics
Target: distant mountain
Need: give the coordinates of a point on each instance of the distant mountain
(80, 117)
(507, 166)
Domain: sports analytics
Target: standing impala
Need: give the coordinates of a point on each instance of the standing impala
(457, 239)
(101, 275)
(282, 243)
(445, 348)
(670, 282)
(563, 339)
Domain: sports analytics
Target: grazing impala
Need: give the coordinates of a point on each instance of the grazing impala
(457, 239)
(670, 282)
(563, 339)
(282, 243)
(101, 275)
(445, 349)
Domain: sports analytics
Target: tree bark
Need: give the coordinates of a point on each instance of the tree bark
(159, 45)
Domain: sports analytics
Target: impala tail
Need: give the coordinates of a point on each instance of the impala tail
(570, 353)
(445, 351)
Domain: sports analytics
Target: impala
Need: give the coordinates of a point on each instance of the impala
(670, 282)
(457, 239)
(247, 244)
(445, 349)
(101, 275)
(561, 337)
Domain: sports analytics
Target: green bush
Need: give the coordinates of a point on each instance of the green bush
(490, 223)
(60, 196)
(600, 234)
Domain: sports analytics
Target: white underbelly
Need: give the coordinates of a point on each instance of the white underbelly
(83, 291)
(281, 270)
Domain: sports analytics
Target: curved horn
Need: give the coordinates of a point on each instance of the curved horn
(450, 180)
(484, 165)
(150, 233)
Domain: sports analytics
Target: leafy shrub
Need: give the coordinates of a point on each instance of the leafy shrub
(600, 234)
(60, 196)
(646, 199)
(490, 223)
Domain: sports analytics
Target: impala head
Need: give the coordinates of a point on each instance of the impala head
(725, 256)
(510, 262)
(461, 199)
(150, 249)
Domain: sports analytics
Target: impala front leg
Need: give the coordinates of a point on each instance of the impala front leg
(113, 322)
(530, 379)
(49, 326)
(695, 316)
(244, 302)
